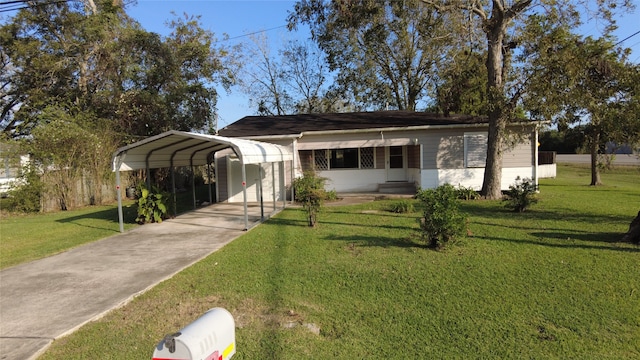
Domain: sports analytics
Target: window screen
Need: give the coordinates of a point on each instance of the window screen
(475, 150)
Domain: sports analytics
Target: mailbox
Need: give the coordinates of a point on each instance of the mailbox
(210, 337)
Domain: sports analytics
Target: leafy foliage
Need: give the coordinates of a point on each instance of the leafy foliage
(462, 89)
(521, 195)
(153, 204)
(401, 206)
(309, 190)
(466, 193)
(385, 52)
(27, 193)
(583, 83)
(79, 82)
(442, 222)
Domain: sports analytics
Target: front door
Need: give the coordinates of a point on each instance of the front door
(396, 163)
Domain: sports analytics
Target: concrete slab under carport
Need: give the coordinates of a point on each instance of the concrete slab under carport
(46, 299)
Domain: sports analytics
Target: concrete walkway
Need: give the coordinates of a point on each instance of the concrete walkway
(45, 299)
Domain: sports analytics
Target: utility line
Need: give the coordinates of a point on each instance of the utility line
(16, 4)
(253, 33)
(627, 38)
(21, 4)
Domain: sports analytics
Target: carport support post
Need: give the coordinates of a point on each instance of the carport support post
(283, 184)
(273, 184)
(193, 185)
(173, 186)
(209, 181)
(119, 195)
(244, 193)
(292, 178)
(260, 191)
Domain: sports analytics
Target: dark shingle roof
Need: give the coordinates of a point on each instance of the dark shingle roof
(296, 124)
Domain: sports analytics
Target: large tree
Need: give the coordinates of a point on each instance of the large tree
(293, 80)
(65, 54)
(385, 52)
(95, 73)
(501, 21)
(388, 51)
(585, 83)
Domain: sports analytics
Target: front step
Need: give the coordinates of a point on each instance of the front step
(397, 188)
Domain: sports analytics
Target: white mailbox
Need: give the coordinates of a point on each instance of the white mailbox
(210, 337)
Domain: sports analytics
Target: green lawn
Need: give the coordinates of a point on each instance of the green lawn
(29, 237)
(549, 283)
(25, 238)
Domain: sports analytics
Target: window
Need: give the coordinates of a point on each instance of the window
(352, 158)
(367, 160)
(320, 160)
(475, 150)
(344, 159)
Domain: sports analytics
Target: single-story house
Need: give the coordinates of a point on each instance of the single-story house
(382, 151)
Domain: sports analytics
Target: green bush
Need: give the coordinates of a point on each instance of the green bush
(331, 195)
(309, 190)
(466, 193)
(27, 193)
(402, 207)
(442, 222)
(521, 195)
(153, 204)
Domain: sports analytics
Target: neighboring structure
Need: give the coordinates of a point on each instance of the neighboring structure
(11, 165)
(386, 151)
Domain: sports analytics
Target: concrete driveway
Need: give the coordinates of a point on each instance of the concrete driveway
(45, 299)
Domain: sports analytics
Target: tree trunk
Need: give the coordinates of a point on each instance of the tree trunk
(633, 235)
(595, 171)
(491, 186)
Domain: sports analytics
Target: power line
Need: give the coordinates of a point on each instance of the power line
(22, 4)
(627, 38)
(253, 33)
(15, 5)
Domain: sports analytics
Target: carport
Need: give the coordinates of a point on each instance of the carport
(177, 148)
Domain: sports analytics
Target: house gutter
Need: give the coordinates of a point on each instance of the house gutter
(383, 129)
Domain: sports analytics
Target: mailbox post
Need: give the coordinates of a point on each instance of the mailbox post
(210, 337)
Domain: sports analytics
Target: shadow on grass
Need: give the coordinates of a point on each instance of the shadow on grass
(379, 241)
(557, 244)
(110, 215)
(378, 226)
(568, 215)
(548, 226)
(285, 222)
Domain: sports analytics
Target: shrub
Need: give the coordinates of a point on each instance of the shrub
(153, 204)
(466, 193)
(331, 195)
(521, 195)
(309, 190)
(27, 193)
(402, 206)
(442, 222)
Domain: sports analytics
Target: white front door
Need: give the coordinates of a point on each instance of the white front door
(396, 159)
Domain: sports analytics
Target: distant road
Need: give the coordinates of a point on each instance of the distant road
(621, 159)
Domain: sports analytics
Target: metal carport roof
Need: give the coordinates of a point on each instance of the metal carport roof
(178, 148)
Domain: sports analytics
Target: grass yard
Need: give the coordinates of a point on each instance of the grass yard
(29, 237)
(549, 283)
